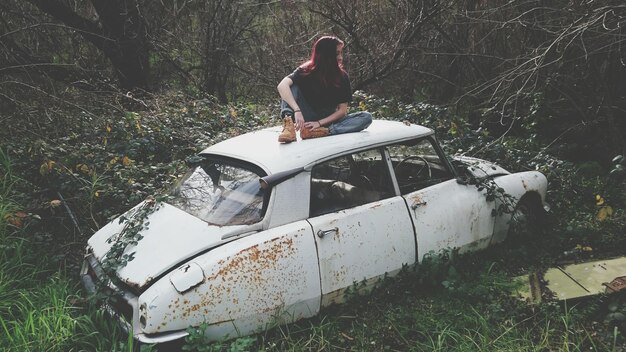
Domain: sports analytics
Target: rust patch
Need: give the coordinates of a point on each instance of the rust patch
(618, 284)
(245, 274)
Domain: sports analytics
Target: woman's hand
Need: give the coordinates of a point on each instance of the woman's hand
(299, 120)
(312, 124)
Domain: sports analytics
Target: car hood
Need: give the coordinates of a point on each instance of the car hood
(171, 236)
(481, 168)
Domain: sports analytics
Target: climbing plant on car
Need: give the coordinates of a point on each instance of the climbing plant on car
(492, 192)
(506, 202)
(134, 223)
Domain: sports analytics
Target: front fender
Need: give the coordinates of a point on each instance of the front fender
(242, 287)
(518, 185)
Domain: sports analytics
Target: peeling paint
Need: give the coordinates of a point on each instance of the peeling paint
(416, 198)
(617, 284)
(245, 271)
(371, 240)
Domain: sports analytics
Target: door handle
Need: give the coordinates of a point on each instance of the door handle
(417, 205)
(322, 233)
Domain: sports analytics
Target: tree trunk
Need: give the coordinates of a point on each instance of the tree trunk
(119, 34)
(228, 22)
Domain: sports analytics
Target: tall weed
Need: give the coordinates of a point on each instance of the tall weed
(38, 310)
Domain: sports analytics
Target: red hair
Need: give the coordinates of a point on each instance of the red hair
(323, 64)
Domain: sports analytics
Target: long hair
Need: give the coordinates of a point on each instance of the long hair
(323, 64)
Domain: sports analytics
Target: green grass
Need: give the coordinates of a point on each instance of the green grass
(476, 312)
(39, 308)
(437, 321)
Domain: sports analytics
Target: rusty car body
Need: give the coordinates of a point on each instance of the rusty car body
(260, 233)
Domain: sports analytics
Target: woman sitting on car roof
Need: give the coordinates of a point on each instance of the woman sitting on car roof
(315, 96)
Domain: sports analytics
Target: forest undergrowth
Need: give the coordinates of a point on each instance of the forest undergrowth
(61, 182)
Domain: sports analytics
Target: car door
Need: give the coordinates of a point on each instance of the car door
(362, 228)
(445, 214)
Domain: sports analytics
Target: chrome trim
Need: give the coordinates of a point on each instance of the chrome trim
(321, 233)
(160, 338)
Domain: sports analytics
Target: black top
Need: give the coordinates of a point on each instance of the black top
(320, 96)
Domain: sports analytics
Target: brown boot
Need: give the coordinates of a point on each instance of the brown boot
(288, 134)
(307, 133)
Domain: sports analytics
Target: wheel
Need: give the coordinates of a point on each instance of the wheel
(526, 220)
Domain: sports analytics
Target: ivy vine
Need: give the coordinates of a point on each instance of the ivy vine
(130, 235)
(492, 191)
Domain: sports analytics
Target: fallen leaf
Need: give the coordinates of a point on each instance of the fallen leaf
(46, 167)
(55, 203)
(609, 210)
(82, 168)
(126, 161)
(16, 219)
(604, 213)
(599, 200)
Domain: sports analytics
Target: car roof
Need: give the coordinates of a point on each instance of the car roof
(262, 147)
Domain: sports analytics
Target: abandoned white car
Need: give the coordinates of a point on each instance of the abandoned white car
(260, 233)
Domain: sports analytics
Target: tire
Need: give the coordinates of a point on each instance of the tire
(526, 220)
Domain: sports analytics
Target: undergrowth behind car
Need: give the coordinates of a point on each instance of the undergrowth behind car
(62, 183)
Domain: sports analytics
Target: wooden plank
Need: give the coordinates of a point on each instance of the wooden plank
(594, 275)
(575, 280)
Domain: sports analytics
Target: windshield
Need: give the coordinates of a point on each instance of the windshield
(220, 193)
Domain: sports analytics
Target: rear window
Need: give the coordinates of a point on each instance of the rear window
(221, 192)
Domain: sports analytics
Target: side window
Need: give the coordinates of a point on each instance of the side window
(349, 181)
(416, 165)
